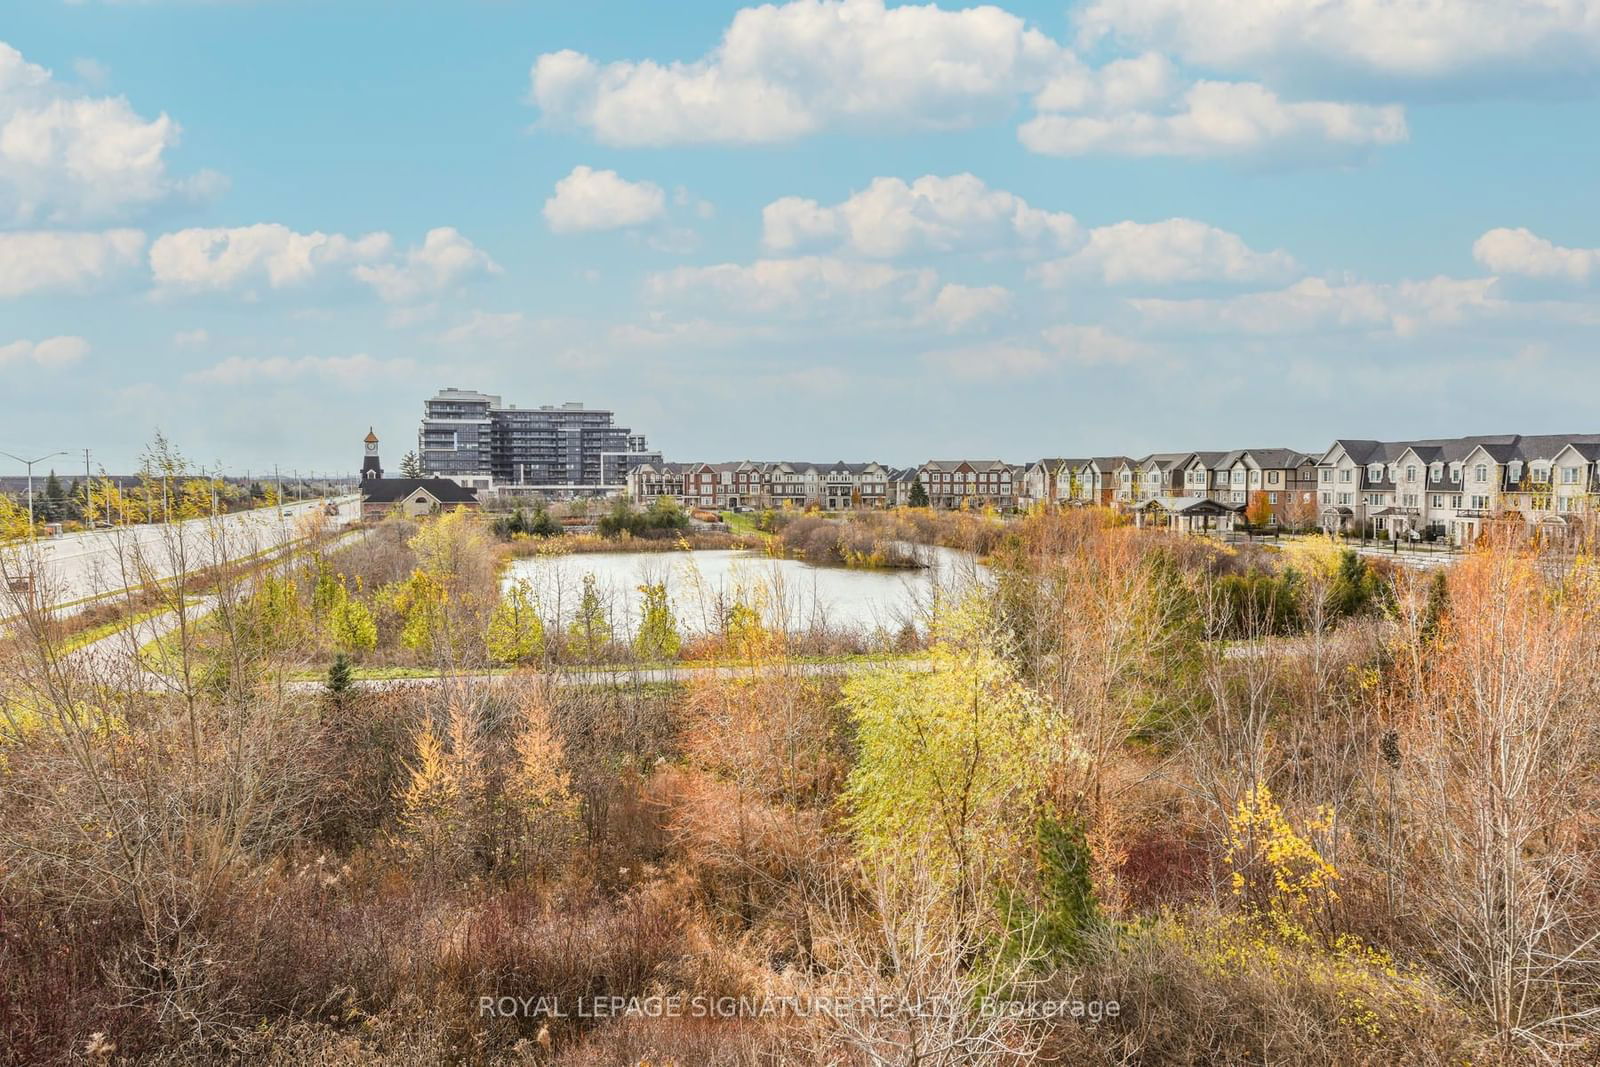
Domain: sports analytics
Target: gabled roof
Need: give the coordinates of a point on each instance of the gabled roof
(394, 490)
(1276, 458)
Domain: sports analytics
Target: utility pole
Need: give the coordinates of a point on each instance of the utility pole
(29, 464)
(279, 479)
(88, 492)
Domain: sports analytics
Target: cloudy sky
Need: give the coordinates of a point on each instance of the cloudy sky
(823, 228)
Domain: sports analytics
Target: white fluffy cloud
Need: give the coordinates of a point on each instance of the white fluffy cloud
(445, 259)
(1208, 118)
(1164, 253)
(589, 199)
(1407, 39)
(271, 255)
(341, 370)
(958, 307)
(783, 71)
(819, 288)
(1315, 305)
(266, 253)
(67, 157)
(49, 353)
(786, 71)
(1522, 252)
(892, 218)
(42, 260)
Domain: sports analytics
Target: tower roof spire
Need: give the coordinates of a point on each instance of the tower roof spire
(371, 437)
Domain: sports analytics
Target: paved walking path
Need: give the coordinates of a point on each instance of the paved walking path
(631, 676)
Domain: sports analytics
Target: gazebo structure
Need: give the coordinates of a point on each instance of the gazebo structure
(1190, 514)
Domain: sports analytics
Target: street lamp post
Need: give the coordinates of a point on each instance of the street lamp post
(29, 464)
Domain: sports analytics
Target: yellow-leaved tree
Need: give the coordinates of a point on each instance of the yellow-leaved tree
(537, 793)
(950, 759)
(444, 805)
(429, 805)
(516, 632)
(13, 519)
(351, 626)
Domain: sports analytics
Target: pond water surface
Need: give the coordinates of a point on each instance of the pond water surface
(703, 585)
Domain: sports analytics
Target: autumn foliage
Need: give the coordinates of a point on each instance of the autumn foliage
(1277, 805)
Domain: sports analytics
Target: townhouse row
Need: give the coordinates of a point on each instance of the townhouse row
(835, 486)
(1437, 489)
(1452, 488)
(748, 484)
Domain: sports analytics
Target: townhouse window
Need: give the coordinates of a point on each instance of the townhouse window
(1411, 474)
(1455, 501)
(1344, 474)
(1480, 503)
(1327, 498)
(1480, 473)
(1375, 472)
(1514, 471)
(1541, 475)
(1272, 498)
(1272, 477)
(1344, 499)
(1437, 501)
(1327, 474)
(1437, 471)
(1569, 475)
(1455, 472)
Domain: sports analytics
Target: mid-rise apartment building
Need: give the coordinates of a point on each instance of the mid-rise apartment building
(470, 435)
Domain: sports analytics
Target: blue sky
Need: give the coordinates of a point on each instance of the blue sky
(818, 229)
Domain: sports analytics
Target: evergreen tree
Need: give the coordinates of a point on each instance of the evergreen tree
(542, 525)
(341, 677)
(53, 506)
(919, 495)
(1056, 924)
(411, 466)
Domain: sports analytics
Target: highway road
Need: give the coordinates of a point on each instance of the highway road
(74, 567)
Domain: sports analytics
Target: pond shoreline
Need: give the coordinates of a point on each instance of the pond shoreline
(705, 585)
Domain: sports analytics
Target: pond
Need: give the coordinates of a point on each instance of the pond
(703, 585)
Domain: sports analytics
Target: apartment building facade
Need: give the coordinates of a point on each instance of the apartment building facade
(471, 435)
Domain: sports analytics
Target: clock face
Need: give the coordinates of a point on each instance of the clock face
(372, 449)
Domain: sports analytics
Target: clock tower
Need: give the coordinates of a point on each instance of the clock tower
(370, 467)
